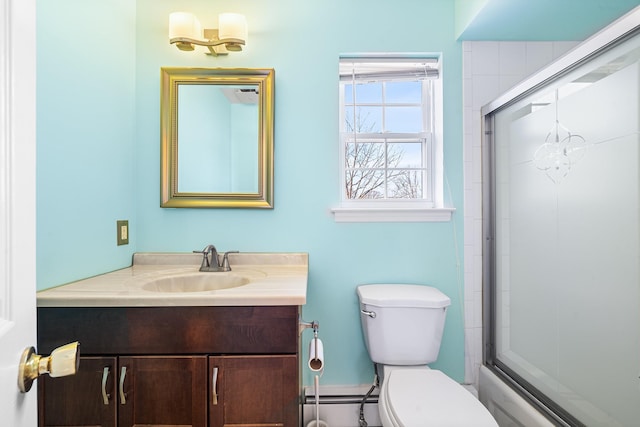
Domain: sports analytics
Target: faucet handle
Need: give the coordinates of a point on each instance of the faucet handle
(225, 260)
(205, 256)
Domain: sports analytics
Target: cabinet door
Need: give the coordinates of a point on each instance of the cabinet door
(164, 391)
(253, 391)
(84, 399)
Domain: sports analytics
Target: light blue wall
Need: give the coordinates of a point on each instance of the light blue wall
(302, 41)
(98, 154)
(466, 11)
(85, 137)
(98, 68)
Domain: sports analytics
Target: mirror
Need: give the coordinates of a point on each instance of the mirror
(216, 138)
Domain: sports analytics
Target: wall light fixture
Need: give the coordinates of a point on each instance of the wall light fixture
(185, 31)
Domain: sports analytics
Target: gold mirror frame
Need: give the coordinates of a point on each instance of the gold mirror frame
(171, 78)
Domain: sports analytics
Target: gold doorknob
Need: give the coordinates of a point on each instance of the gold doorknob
(63, 361)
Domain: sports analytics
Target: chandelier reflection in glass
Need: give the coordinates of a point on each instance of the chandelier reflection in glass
(560, 151)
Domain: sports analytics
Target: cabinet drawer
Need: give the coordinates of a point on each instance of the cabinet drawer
(170, 330)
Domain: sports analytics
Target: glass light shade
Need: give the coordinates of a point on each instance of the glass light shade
(232, 26)
(184, 24)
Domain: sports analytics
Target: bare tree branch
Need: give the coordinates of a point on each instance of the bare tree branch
(366, 163)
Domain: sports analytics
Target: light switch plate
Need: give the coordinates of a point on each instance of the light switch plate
(123, 232)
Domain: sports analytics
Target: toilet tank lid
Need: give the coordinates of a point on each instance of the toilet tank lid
(402, 295)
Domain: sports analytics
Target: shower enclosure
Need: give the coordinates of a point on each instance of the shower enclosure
(562, 233)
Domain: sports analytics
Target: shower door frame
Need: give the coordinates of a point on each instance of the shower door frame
(624, 28)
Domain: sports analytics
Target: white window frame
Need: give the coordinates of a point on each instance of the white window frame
(429, 209)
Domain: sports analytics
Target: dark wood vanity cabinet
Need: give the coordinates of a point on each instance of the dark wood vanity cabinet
(164, 390)
(173, 366)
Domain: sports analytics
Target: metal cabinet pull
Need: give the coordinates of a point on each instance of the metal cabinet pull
(214, 386)
(123, 374)
(105, 376)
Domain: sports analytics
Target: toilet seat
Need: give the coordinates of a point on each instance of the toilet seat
(419, 397)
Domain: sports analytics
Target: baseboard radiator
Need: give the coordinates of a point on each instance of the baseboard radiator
(340, 406)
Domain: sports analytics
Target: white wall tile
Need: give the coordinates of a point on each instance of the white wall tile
(485, 57)
(490, 68)
(561, 48)
(485, 88)
(467, 121)
(476, 118)
(468, 281)
(538, 55)
(507, 81)
(513, 58)
(468, 178)
(467, 92)
(467, 64)
(477, 170)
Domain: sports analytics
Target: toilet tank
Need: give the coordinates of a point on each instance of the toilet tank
(402, 324)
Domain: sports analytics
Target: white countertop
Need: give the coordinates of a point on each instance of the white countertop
(275, 279)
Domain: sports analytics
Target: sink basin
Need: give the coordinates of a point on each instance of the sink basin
(196, 282)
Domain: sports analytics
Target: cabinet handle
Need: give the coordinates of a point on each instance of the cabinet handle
(214, 386)
(105, 376)
(123, 374)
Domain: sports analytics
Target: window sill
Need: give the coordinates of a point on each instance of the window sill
(380, 214)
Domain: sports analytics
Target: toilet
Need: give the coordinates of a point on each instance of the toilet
(402, 326)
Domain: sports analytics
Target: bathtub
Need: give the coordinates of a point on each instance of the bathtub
(507, 407)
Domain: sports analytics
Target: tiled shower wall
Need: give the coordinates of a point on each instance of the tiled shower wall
(489, 69)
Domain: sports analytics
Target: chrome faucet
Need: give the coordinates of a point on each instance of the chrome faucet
(211, 262)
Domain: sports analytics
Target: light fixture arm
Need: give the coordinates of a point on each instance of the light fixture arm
(185, 32)
(228, 45)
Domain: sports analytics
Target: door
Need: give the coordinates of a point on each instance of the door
(17, 205)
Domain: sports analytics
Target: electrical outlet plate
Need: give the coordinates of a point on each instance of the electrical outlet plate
(123, 232)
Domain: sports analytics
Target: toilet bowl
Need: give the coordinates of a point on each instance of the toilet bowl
(419, 397)
(403, 326)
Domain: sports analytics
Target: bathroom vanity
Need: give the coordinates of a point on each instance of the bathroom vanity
(158, 347)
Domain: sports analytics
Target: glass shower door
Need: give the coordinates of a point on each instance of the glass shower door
(564, 233)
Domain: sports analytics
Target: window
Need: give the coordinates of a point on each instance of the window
(391, 139)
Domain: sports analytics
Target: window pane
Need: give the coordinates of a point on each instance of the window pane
(348, 93)
(348, 119)
(368, 119)
(367, 93)
(405, 184)
(364, 155)
(403, 119)
(405, 154)
(364, 184)
(403, 92)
